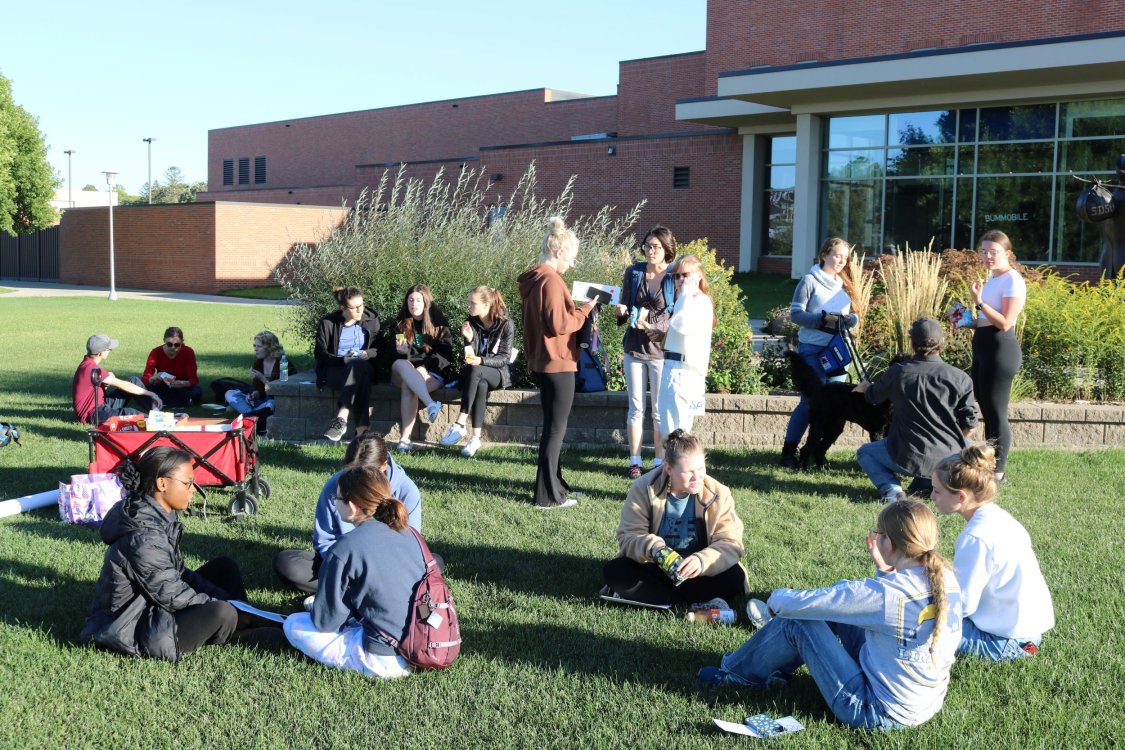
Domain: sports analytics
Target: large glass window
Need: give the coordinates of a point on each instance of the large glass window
(898, 178)
(782, 171)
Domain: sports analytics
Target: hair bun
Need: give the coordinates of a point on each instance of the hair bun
(130, 477)
(980, 456)
(556, 225)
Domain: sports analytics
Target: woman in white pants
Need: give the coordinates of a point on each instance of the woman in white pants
(687, 348)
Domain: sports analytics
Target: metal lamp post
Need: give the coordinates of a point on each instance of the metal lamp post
(149, 142)
(112, 276)
(69, 179)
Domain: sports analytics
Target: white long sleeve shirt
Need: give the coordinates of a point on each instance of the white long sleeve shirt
(1002, 589)
(689, 331)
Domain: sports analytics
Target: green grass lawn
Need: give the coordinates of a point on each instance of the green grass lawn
(764, 291)
(258, 292)
(544, 663)
(6, 289)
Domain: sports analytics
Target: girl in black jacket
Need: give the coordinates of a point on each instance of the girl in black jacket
(147, 603)
(346, 345)
(424, 351)
(489, 333)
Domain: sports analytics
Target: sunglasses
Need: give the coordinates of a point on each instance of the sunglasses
(171, 345)
(681, 275)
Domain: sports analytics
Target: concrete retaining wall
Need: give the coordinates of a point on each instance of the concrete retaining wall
(514, 416)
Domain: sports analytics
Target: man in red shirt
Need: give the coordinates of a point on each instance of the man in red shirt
(171, 371)
(115, 394)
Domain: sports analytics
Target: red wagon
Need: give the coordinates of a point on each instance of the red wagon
(226, 458)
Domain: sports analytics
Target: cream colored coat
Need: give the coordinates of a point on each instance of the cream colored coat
(644, 510)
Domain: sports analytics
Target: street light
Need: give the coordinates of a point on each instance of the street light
(112, 277)
(69, 179)
(149, 142)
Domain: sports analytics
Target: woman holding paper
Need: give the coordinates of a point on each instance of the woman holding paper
(170, 371)
(647, 295)
(687, 348)
(821, 304)
(147, 602)
(550, 327)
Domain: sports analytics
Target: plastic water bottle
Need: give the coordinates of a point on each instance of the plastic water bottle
(283, 369)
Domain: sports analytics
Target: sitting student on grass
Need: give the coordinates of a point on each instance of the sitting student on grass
(254, 399)
(147, 603)
(171, 370)
(366, 583)
(880, 648)
(89, 377)
(677, 523)
(488, 332)
(300, 568)
(1005, 601)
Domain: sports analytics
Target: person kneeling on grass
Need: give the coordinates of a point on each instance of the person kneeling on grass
(676, 510)
(488, 332)
(880, 648)
(300, 568)
(147, 603)
(366, 583)
(1006, 604)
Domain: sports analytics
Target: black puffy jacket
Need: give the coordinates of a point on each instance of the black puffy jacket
(143, 581)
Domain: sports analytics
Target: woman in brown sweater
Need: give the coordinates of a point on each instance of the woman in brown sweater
(550, 325)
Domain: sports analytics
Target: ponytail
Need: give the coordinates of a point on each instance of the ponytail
(679, 444)
(368, 489)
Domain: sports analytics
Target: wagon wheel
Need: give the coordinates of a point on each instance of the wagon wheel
(262, 488)
(243, 505)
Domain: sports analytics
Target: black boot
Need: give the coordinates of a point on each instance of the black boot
(789, 456)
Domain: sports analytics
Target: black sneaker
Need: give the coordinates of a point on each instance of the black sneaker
(336, 430)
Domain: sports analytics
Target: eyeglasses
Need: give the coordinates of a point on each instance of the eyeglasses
(680, 275)
(172, 345)
(653, 246)
(188, 483)
(354, 308)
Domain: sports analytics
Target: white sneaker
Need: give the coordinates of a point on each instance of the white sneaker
(454, 435)
(570, 502)
(758, 613)
(471, 447)
(432, 411)
(308, 602)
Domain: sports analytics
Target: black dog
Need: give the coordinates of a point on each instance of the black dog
(831, 405)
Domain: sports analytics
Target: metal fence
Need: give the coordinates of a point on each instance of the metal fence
(30, 257)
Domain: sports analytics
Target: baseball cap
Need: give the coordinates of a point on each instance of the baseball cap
(99, 343)
(926, 333)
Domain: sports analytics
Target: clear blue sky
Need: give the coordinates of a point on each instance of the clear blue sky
(102, 76)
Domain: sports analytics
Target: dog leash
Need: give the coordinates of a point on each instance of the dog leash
(853, 349)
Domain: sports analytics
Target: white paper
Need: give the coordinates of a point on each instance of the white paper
(735, 728)
(255, 611)
(789, 724)
(580, 291)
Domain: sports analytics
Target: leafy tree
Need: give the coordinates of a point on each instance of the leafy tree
(27, 181)
(90, 187)
(173, 189)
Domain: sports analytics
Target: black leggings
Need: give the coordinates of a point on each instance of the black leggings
(996, 360)
(476, 382)
(352, 381)
(644, 582)
(556, 395)
(215, 621)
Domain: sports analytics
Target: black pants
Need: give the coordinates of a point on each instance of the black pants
(996, 360)
(476, 382)
(556, 394)
(222, 385)
(114, 402)
(645, 582)
(352, 381)
(215, 621)
(177, 396)
(298, 569)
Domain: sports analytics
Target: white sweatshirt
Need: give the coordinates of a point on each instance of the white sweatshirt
(1002, 589)
(689, 331)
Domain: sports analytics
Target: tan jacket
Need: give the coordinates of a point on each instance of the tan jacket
(644, 510)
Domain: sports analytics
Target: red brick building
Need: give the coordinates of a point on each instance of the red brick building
(887, 124)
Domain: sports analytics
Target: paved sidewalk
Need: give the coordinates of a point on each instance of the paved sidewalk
(54, 289)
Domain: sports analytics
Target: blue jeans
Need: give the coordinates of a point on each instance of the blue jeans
(240, 402)
(880, 468)
(976, 642)
(830, 651)
(799, 419)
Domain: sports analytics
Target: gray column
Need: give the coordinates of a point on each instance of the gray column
(752, 226)
(806, 197)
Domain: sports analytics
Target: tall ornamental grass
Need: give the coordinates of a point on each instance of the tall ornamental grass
(913, 288)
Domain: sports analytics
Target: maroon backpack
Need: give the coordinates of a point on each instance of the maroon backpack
(433, 637)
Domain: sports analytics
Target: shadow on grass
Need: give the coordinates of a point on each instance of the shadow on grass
(54, 604)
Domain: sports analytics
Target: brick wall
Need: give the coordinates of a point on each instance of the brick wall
(743, 33)
(197, 247)
(643, 168)
(647, 91)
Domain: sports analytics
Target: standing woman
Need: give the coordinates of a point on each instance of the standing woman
(647, 296)
(488, 332)
(345, 345)
(821, 303)
(147, 602)
(550, 325)
(170, 371)
(687, 348)
(366, 583)
(424, 351)
(996, 353)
